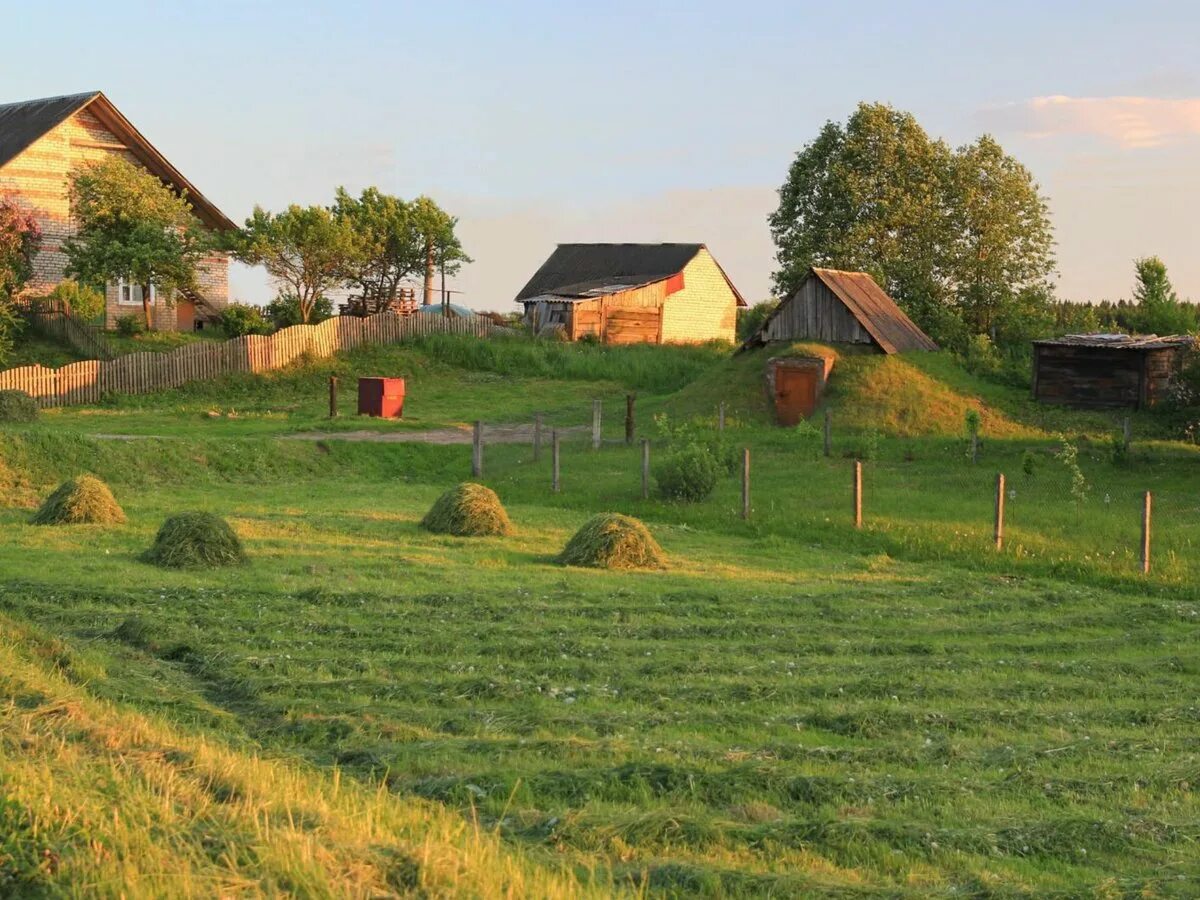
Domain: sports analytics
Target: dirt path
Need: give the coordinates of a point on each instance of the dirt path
(492, 434)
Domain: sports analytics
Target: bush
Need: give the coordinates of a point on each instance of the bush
(85, 500)
(284, 311)
(613, 541)
(17, 406)
(689, 473)
(468, 510)
(131, 325)
(239, 319)
(749, 320)
(193, 540)
(84, 301)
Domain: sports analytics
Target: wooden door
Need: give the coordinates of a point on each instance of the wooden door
(185, 315)
(795, 393)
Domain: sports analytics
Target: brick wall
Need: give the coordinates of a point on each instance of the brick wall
(37, 178)
(706, 308)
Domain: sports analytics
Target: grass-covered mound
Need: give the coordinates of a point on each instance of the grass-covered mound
(17, 406)
(193, 540)
(613, 541)
(85, 500)
(468, 510)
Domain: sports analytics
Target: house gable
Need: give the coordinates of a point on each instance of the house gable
(704, 308)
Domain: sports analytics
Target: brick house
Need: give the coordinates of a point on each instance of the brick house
(633, 294)
(42, 141)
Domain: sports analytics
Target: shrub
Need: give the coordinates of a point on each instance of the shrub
(85, 500)
(613, 541)
(131, 325)
(689, 473)
(284, 311)
(17, 406)
(750, 319)
(192, 540)
(84, 301)
(238, 319)
(468, 510)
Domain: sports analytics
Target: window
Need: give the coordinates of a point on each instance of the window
(131, 294)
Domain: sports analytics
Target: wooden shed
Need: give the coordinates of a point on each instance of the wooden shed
(839, 307)
(633, 293)
(1107, 370)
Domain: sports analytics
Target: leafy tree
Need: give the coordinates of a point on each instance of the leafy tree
(306, 249)
(131, 226)
(1159, 309)
(441, 247)
(390, 247)
(751, 319)
(284, 311)
(20, 239)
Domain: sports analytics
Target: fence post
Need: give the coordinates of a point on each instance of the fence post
(333, 410)
(537, 436)
(828, 432)
(974, 446)
(477, 450)
(746, 483)
(630, 399)
(1146, 503)
(858, 493)
(595, 424)
(645, 468)
(998, 532)
(554, 457)
(721, 417)
(1127, 433)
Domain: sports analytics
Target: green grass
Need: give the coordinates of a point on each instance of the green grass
(159, 341)
(33, 349)
(792, 707)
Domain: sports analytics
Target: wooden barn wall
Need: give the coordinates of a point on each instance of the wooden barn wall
(629, 317)
(814, 313)
(1101, 378)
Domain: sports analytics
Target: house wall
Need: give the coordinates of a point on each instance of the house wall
(814, 313)
(705, 309)
(37, 178)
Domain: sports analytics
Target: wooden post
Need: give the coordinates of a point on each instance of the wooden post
(1127, 433)
(746, 483)
(537, 436)
(998, 531)
(1146, 502)
(333, 410)
(721, 417)
(858, 493)
(974, 446)
(477, 450)
(554, 457)
(629, 421)
(595, 424)
(645, 468)
(828, 432)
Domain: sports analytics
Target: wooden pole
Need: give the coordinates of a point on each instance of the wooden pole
(721, 417)
(974, 446)
(554, 458)
(645, 468)
(858, 493)
(537, 436)
(828, 432)
(746, 483)
(477, 450)
(998, 531)
(333, 410)
(595, 424)
(1127, 433)
(1146, 503)
(630, 399)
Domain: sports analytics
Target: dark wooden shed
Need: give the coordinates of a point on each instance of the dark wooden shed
(1107, 370)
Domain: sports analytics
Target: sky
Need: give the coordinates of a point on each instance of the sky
(538, 123)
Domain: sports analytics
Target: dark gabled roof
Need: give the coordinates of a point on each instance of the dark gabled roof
(577, 270)
(878, 313)
(23, 123)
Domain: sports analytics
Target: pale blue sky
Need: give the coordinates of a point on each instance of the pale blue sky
(541, 122)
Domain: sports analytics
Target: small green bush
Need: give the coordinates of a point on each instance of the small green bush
(688, 473)
(193, 540)
(613, 541)
(84, 301)
(85, 500)
(468, 510)
(17, 406)
(131, 325)
(284, 311)
(238, 319)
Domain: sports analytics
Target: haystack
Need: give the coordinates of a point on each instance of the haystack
(85, 500)
(194, 540)
(468, 510)
(613, 541)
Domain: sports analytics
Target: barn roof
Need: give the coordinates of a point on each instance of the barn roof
(878, 313)
(23, 123)
(1120, 341)
(592, 270)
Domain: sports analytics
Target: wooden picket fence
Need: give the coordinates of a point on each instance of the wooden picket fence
(140, 373)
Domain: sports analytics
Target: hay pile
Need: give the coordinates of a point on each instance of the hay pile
(613, 541)
(468, 510)
(17, 406)
(193, 540)
(85, 500)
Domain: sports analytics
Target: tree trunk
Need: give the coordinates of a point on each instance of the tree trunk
(146, 312)
(428, 299)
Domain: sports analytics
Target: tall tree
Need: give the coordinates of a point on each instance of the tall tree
(441, 246)
(1158, 309)
(389, 247)
(20, 239)
(132, 227)
(306, 249)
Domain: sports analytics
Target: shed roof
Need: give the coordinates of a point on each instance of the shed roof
(593, 270)
(23, 123)
(1119, 341)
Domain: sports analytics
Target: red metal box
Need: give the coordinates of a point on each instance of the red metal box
(381, 397)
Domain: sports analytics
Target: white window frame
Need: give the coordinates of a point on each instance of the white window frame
(125, 294)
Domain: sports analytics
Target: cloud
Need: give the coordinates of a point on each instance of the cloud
(1131, 122)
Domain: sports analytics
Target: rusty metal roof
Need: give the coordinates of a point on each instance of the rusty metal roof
(878, 313)
(1120, 341)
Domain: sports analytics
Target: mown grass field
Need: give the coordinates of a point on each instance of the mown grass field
(792, 708)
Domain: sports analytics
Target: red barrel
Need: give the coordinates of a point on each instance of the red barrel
(381, 397)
